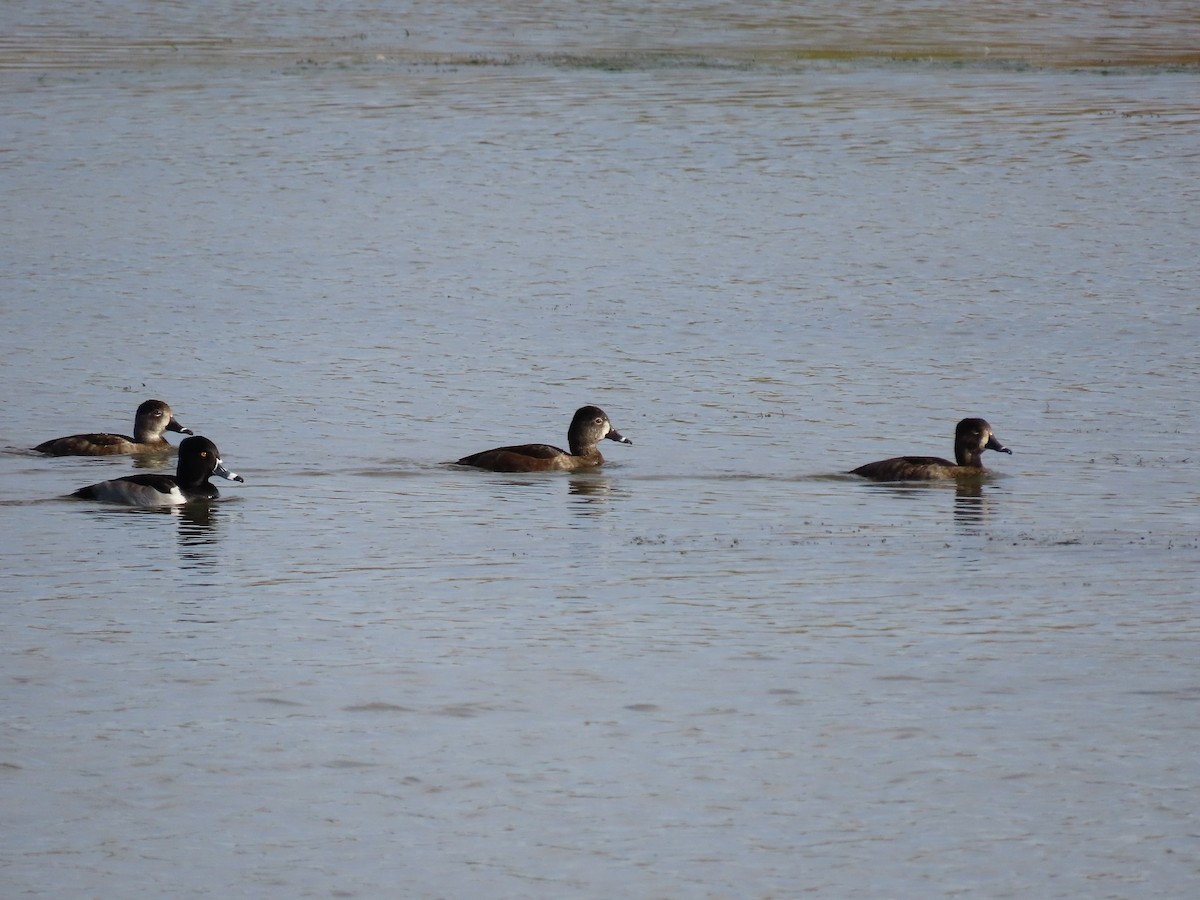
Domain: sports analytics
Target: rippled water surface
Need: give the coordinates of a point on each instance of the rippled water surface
(774, 242)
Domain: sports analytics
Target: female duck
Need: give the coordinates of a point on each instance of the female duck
(588, 428)
(152, 419)
(971, 438)
(198, 460)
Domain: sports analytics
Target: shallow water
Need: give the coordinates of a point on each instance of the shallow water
(717, 667)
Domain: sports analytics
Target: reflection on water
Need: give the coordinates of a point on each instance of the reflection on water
(198, 522)
(592, 494)
(197, 518)
(199, 533)
(971, 502)
(972, 505)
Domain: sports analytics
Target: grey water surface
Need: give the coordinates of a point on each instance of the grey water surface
(773, 242)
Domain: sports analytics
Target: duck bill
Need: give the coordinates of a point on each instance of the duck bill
(175, 426)
(225, 473)
(614, 435)
(994, 444)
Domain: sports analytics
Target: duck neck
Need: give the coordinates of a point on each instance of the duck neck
(968, 456)
(587, 451)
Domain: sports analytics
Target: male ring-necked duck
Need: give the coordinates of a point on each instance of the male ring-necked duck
(971, 438)
(198, 459)
(152, 419)
(588, 428)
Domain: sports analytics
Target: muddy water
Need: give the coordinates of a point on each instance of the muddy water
(350, 249)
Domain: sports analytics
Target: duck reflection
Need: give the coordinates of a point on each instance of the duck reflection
(590, 494)
(971, 505)
(973, 498)
(198, 532)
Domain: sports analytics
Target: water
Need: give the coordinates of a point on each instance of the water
(351, 246)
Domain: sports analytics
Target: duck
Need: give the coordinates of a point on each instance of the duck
(199, 459)
(589, 426)
(152, 419)
(971, 438)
